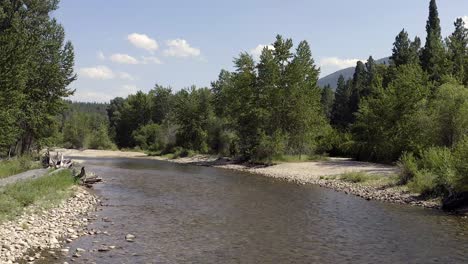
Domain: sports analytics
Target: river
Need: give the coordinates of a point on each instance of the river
(189, 214)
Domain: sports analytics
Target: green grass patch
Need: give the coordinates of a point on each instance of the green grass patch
(356, 177)
(44, 192)
(370, 179)
(18, 165)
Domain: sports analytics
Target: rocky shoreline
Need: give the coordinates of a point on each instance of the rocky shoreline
(24, 238)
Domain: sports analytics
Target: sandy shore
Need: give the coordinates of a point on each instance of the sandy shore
(36, 230)
(314, 172)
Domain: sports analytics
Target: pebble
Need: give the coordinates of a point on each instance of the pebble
(129, 237)
(45, 228)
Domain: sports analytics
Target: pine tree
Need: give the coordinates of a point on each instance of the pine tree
(359, 86)
(433, 57)
(341, 114)
(404, 50)
(457, 44)
(327, 99)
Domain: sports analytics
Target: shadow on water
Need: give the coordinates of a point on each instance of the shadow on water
(184, 213)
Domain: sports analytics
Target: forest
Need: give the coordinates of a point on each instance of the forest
(412, 111)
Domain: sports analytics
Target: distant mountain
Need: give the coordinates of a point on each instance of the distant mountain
(347, 73)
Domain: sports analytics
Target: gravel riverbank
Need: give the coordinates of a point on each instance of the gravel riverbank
(36, 230)
(321, 172)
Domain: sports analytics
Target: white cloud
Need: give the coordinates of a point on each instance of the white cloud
(98, 72)
(142, 41)
(339, 63)
(151, 60)
(257, 51)
(123, 59)
(180, 48)
(126, 76)
(465, 19)
(331, 64)
(100, 55)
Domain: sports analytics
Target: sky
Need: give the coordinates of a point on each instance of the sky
(123, 46)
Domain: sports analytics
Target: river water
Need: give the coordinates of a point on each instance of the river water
(189, 214)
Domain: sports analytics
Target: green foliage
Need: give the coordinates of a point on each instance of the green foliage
(36, 67)
(150, 137)
(356, 177)
(44, 191)
(437, 171)
(450, 112)
(393, 119)
(408, 166)
(433, 57)
(99, 139)
(404, 50)
(327, 100)
(459, 181)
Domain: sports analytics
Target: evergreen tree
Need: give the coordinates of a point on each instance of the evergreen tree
(458, 50)
(341, 114)
(405, 51)
(433, 57)
(359, 86)
(327, 100)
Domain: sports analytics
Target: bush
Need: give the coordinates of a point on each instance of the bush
(431, 174)
(408, 166)
(424, 182)
(268, 147)
(356, 177)
(459, 181)
(100, 139)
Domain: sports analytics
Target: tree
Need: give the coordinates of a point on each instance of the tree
(304, 115)
(358, 88)
(161, 105)
(433, 57)
(193, 112)
(457, 44)
(394, 119)
(405, 51)
(13, 72)
(327, 99)
(450, 111)
(341, 113)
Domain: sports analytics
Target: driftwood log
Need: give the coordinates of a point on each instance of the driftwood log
(87, 179)
(57, 161)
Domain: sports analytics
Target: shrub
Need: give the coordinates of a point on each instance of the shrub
(100, 139)
(355, 177)
(424, 182)
(408, 166)
(459, 181)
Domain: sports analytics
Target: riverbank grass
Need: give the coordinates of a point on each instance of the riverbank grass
(44, 192)
(366, 179)
(12, 167)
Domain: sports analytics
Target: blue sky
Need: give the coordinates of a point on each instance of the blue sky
(122, 46)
